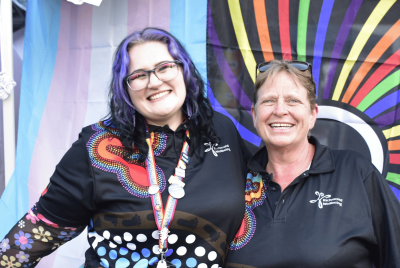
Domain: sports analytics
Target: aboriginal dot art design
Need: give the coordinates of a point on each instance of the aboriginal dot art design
(106, 153)
(254, 196)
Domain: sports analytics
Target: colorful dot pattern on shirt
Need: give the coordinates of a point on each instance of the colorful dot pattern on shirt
(121, 257)
(254, 196)
(106, 153)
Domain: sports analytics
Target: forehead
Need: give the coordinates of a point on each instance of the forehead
(148, 55)
(282, 83)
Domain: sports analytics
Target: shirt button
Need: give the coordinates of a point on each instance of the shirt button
(273, 188)
(276, 203)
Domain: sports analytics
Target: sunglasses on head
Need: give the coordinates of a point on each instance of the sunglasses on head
(299, 65)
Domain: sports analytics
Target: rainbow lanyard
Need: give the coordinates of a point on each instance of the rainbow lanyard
(164, 218)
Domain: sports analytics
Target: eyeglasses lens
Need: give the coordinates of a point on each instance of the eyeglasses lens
(164, 72)
(302, 66)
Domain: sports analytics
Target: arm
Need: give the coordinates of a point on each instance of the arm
(385, 213)
(68, 200)
(32, 238)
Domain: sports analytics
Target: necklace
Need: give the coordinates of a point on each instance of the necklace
(163, 217)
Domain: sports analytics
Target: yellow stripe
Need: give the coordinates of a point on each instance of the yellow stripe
(377, 14)
(242, 39)
(392, 132)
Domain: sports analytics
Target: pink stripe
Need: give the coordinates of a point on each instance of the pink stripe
(148, 13)
(65, 109)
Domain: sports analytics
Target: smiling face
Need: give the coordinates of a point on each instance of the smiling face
(282, 114)
(160, 102)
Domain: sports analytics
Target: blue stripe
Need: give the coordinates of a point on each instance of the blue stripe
(384, 104)
(188, 23)
(396, 192)
(243, 131)
(40, 49)
(323, 22)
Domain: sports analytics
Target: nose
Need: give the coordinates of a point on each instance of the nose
(280, 108)
(154, 82)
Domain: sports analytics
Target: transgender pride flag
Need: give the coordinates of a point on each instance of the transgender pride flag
(68, 51)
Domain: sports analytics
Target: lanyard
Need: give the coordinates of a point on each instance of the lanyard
(163, 217)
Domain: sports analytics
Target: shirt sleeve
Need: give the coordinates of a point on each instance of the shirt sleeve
(69, 198)
(385, 213)
(32, 238)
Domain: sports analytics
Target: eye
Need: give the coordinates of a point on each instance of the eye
(293, 101)
(138, 76)
(165, 67)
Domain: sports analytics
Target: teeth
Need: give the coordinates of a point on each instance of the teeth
(281, 126)
(159, 95)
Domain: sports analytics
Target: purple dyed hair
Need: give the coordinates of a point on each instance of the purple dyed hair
(121, 67)
(123, 113)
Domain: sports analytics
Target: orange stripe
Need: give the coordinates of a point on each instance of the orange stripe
(394, 145)
(383, 44)
(263, 31)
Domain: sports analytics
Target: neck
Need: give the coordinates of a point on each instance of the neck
(288, 163)
(173, 122)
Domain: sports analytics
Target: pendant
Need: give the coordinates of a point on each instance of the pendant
(162, 264)
(176, 191)
(153, 189)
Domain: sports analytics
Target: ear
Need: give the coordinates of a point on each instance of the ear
(253, 112)
(313, 118)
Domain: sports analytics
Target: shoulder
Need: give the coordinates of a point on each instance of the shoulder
(220, 120)
(353, 160)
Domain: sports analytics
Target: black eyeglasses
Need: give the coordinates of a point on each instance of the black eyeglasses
(299, 65)
(164, 72)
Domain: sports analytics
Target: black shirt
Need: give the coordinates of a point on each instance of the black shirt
(93, 185)
(339, 213)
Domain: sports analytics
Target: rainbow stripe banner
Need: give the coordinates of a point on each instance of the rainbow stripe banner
(354, 48)
(66, 71)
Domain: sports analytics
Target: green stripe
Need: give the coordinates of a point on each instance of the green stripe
(393, 177)
(302, 29)
(383, 87)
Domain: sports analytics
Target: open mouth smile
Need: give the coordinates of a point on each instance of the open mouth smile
(281, 126)
(159, 95)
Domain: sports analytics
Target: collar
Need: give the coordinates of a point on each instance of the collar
(322, 161)
(165, 129)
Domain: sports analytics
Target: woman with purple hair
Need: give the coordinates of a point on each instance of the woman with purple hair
(159, 183)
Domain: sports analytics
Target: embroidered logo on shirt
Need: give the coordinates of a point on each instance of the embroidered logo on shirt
(215, 149)
(326, 200)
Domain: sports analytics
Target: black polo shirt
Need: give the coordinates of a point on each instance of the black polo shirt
(339, 213)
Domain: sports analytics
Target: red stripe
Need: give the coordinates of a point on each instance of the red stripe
(376, 77)
(394, 159)
(284, 29)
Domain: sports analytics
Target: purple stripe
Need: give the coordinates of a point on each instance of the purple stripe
(244, 132)
(339, 44)
(396, 192)
(227, 73)
(65, 109)
(388, 119)
(323, 22)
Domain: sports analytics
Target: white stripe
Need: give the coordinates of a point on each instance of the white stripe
(108, 29)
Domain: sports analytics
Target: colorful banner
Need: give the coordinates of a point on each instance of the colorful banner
(354, 48)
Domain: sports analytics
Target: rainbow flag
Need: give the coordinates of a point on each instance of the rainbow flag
(353, 46)
(354, 49)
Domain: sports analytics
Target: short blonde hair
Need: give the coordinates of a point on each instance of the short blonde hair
(276, 66)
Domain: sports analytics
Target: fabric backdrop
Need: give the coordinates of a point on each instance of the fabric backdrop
(353, 46)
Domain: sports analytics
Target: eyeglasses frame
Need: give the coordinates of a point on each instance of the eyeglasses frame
(309, 65)
(177, 62)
